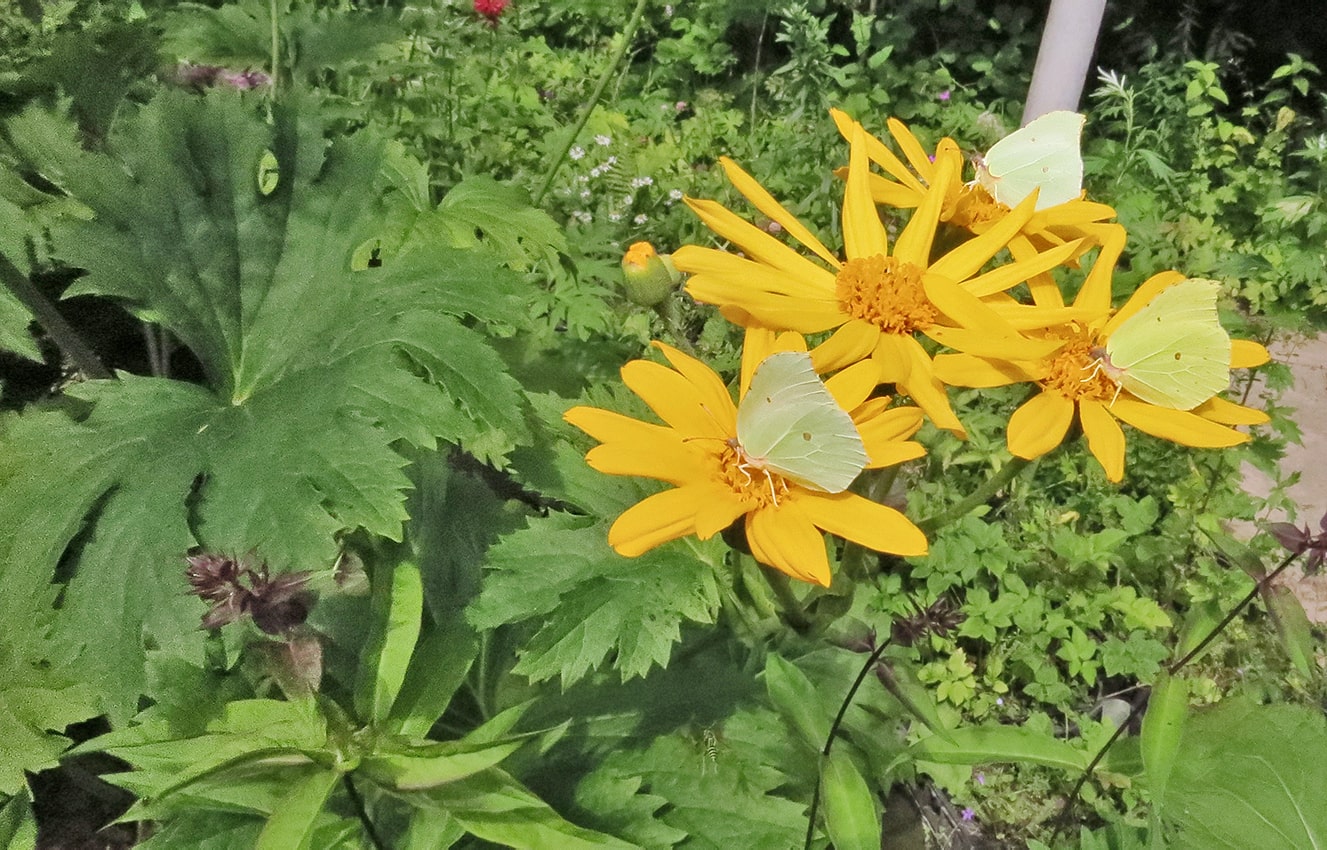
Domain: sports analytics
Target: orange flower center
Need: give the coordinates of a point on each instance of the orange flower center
(1078, 370)
(885, 292)
(750, 481)
(976, 210)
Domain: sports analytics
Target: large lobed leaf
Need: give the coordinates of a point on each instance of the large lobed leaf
(316, 372)
(1248, 775)
(591, 601)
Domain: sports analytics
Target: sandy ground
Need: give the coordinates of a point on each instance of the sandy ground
(1308, 397)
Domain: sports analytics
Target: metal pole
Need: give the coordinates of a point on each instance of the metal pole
(1065, 54)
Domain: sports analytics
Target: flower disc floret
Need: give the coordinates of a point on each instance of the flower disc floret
(886, 292)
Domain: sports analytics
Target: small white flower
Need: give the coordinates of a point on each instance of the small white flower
(615, 216)
(675, 195)
(668, 11)
(585, 194)
(639, 182)
(603, 140)
(583, 217)
(612, 160)
(582, 178)
(577, 152)
(641, 219)
(628, 200)
(596, 171)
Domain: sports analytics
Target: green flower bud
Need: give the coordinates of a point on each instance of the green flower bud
(649, 278)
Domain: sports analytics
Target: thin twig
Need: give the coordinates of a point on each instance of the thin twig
(627, 35)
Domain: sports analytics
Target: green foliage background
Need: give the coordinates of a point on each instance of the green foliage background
(366, 364)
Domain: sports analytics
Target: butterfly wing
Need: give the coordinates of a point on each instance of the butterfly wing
(1174, 352)
(1043, 155)
(790, 421)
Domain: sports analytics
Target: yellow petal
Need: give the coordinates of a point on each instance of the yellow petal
(1096, 290)
(911, 148)
(1039, 425)
(755, 242)
(671, 461)
(966, 370)
(926, 391)
(1217, 409)
(1105, 438)
(894, 354)
(678, 402)
(1010, 275)
(995, 347)
(1246, 354)
(785, 538)
(879, 422)
(718, 510)
(765, 202)
(965, 260)
(914, 243)
(609, 426)
(888, 193)
(1026, 317)
(864, 522)
(883, 455)
(1178, 426)
(656, 520)
(853, 341)
(853, 385)
(863, 234)
(705, 263)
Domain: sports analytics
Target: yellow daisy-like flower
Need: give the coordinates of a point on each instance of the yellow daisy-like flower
(1073, 384)
(694, 450)
(876, 299)
(970, 206)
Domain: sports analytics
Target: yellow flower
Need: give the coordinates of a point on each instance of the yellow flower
(971, 207)
(876, 299)
(1071, 383)
(694, 451)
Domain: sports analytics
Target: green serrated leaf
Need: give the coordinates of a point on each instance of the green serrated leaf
(734, 806)
(590, 601)
(797, 700)
(850, 809)
(398, 605)
(36, 704)
(316, 375)
(292, 824)
(18, 826)
(521, 233)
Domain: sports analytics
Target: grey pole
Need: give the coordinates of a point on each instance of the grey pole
(1065, 54)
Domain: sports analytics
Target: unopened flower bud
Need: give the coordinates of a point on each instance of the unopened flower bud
(649, 277)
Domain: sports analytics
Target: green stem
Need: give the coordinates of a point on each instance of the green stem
(833, 732)
(627, 35)
(1171, 670)
(276, 46)
(791, 607)
(79, 352)
(978, 497)
(362, 813)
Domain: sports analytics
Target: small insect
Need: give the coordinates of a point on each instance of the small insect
(709, 739)
(1043, 155)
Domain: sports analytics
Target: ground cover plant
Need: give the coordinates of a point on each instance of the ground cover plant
(563, 424)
